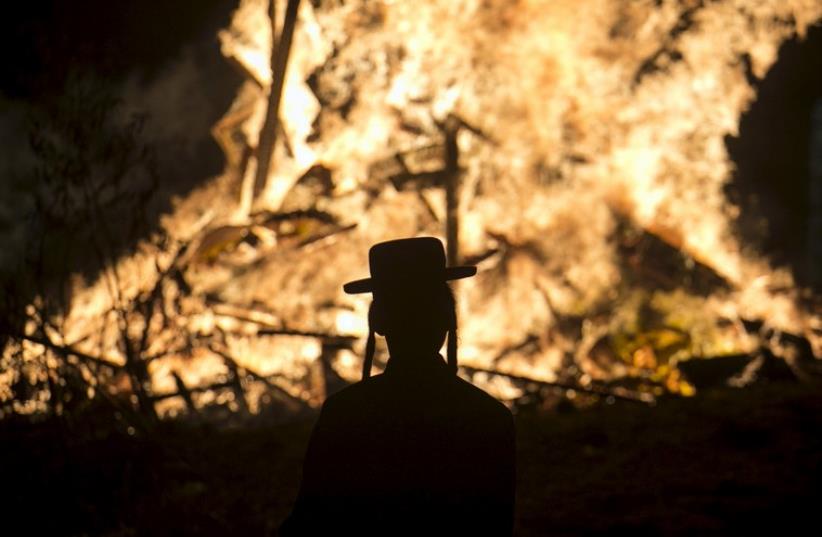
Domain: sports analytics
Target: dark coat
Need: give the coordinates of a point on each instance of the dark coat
(408, 453)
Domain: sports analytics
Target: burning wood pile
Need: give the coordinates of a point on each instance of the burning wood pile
(575, 155)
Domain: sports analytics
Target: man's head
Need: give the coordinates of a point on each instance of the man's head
(415, 321)
(413, 306)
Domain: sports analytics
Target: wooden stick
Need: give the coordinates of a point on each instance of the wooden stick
(236, 384)
(267, 320)
(265, 380)
(625, 395)
(66, 350)
(279, 62)
(326, 337)
(189, 391)
(184, 392)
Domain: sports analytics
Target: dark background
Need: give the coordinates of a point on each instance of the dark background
(136, 42)
(43, 40)
(771, 154)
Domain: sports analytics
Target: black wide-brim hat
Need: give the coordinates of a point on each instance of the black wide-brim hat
(407, 263)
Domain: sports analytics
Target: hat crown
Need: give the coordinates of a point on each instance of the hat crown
(419, 260)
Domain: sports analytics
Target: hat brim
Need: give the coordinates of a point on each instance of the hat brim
(367, 285)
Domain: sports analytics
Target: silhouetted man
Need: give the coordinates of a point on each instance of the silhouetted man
(416, 450)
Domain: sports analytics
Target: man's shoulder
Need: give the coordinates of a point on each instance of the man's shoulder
(462, 393)
(356, 393)
(480, 399)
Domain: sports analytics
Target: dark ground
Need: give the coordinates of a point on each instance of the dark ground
(724, 463)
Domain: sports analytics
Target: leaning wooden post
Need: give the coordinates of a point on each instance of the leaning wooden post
(451, 177)
(279, 62)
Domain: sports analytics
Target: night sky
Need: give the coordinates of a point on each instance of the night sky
(44, 39)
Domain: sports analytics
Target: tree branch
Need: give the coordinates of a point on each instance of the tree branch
(67, 350)
(623, 395)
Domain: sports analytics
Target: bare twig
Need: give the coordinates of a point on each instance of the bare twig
(623, 395)
(242, 313)
(522, 345)
(184, 392)
(191, 390)
(326, 337)
(236, 383)
(147, 305)
(272, 326)
(67, 350)
(256, 376)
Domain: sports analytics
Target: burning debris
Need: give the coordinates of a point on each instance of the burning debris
(579, 162)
